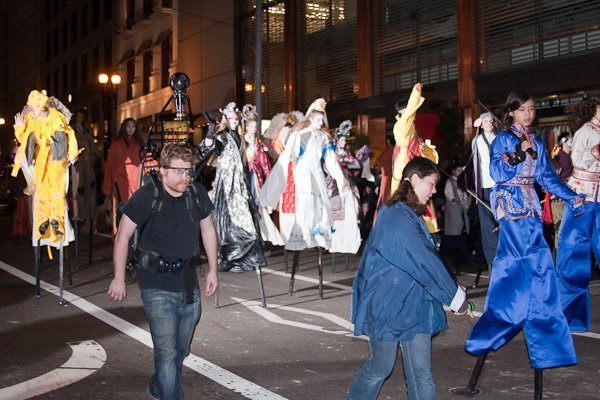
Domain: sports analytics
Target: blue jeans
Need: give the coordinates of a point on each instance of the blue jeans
(416, 358)
(172, 324)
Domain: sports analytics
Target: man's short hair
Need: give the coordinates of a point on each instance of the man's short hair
(178, 151)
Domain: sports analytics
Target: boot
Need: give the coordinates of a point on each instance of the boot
(44, 227)
(55, 225)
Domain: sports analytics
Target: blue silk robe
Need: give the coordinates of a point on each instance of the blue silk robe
(523, 291)
(401, 282)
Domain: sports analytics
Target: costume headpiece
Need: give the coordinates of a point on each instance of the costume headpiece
(564, 138)
(342, 130)
(249, 113)
(486, 115)
(37, 99)
(318, 105)
(231, 107)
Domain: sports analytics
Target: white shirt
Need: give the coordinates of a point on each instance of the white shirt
(484, 159)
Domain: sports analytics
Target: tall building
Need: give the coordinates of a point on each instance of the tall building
(155, 39)
(363, 56)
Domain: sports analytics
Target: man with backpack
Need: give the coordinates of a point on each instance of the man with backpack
(171, 214)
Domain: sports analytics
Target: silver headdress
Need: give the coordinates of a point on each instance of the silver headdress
(231, 107)
(342, 130)
(249, 113)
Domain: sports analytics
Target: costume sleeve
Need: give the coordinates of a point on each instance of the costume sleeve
(581, 150)
(410, 250)
(264, 165)
(73, 147)
(207, 147)
(547, 178)
(333, 166)
(403, 126)
(21, 133)
(500, 170)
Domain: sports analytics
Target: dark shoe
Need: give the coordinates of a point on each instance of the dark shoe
(55, 225)
(44, 227)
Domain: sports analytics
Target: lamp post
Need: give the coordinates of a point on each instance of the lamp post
(2, 138)
(109, 87)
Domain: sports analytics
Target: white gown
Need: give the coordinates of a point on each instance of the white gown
(311, 223)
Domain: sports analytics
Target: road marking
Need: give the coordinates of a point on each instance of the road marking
(306, 279)
(255, 306)
(87, 358)
(212, 371)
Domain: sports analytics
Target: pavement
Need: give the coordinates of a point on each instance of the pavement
(298, 347)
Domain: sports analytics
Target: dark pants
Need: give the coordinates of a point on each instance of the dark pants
(488, 225)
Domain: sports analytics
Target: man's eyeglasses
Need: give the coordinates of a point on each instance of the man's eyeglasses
(182, 171)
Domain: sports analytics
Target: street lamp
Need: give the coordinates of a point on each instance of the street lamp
(109, 86)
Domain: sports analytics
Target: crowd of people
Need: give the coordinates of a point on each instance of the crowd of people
(302, 186)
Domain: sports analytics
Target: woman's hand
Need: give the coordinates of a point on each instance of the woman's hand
(525, 144)
(19, 119)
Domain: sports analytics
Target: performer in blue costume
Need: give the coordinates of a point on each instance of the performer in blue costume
(523, 292)
(579, 236)
(400, 287)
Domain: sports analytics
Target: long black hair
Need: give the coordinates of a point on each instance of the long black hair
(405, 192)
(513, 102)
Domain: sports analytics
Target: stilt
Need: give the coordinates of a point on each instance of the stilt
(294, 266)
(76, 229)
(38, 261)
(537, 391)
(477, 278)
(60, 269)
(90, 239)
(347, 261)
(470, 390)
(68, 263)
(320, 266)
(261, 287)
(285, 261)
(333, 263)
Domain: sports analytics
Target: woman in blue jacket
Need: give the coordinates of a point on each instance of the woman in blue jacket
(400, 287)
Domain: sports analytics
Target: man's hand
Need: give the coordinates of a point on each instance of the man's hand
(418, 86)
(117, 289)
(212, 282)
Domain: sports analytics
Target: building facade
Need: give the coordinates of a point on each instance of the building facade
(364, 56)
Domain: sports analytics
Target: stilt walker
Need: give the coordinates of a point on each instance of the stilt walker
(298, 181)
(580, 236)
(409, 145)
(523, 292)
(47, 147)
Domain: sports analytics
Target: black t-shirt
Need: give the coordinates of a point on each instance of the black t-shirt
(173, 232)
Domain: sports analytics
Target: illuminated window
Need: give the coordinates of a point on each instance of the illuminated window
(322, 14)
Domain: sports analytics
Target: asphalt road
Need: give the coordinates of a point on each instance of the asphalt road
(298, 347)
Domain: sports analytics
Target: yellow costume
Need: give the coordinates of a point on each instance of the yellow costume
(49, 143)
(409, 146)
